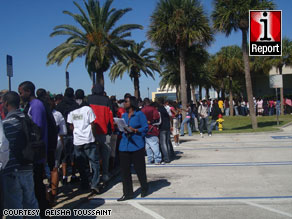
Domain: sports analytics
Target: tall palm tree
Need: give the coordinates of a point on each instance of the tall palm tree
(177, 24)
(228, 63)
(285, 60)
(97, 37)
(139, 60)
(233, 15)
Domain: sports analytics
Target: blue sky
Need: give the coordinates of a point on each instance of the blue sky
(25, 27)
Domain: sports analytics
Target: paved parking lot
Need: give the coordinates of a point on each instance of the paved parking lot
(223, 176)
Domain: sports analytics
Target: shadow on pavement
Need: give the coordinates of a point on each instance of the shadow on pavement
(154, 186)
(260, 125)
(177, 155)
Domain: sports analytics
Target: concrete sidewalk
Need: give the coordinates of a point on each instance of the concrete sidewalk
(223, 176)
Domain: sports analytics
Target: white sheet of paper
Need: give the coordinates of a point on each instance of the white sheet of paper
(122, 125)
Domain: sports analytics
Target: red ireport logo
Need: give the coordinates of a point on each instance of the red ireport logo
(265, 33)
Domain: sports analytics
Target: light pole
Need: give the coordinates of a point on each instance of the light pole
(67, 79)
(148, 92)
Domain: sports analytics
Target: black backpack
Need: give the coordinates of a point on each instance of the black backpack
(35, 148)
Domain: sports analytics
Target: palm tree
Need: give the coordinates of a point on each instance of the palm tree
(233, 15)
(228, 64)
(177, 24)
(284, 60)
(138, 61)
(97, 37)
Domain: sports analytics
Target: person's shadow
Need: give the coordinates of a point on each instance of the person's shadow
(153, 186)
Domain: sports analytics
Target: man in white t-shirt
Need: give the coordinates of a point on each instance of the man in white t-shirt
(81, 121)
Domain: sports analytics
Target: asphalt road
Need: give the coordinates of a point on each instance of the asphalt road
(223, 176)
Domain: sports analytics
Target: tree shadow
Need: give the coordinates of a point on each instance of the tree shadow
(70, 191)
(260, 125)
(83, 203)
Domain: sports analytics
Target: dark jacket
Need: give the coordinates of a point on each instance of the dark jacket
(165, 119)
(66, 106)
(215, 112)
(16, 137)
(102, 108)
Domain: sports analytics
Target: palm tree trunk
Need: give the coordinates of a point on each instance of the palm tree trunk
(93, 78)
(248, 80)
(136, 86)
(207, 92)
(200, 92)
(223, 93)
(183, 88)
(281, 93)
(189, 94)
(218, 92)
(177, 93)
(100, 78)
(230, 96)
(194, 94)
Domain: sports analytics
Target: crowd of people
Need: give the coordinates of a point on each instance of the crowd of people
(263, 106)
(78, 133)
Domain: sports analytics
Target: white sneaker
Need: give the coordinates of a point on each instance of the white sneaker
(210, 135)
(202, 136)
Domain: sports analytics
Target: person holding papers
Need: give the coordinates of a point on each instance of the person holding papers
(132, 149)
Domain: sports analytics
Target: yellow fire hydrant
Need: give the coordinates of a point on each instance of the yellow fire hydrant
(220, 123)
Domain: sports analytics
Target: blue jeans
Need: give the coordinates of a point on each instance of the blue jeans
(182, 127)
(271, 111)
(227, 110)
(18, 191)
(152, 149)
(278, 111)
(211, 127)
(203, 123)
(84, 153)
(105, 150)
(236, 110)
(164, 138)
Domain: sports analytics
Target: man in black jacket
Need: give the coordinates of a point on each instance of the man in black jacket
(67, 105)
(164, 134)
(214, 113)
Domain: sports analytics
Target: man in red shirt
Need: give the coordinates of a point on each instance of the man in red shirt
(152, 140)
(104, 125)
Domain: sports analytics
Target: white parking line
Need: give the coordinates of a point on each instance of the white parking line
(179, 201)
(146, 210)
(267, 208)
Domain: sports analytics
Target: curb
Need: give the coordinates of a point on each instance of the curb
(286, 125)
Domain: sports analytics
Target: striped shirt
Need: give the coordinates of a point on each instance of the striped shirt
(13, 132)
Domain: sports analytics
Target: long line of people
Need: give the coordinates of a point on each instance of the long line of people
(80, 136)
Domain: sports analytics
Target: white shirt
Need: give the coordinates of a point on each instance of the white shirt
(60, 122)
(168, 110)
(4, 147)
(81, 119)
